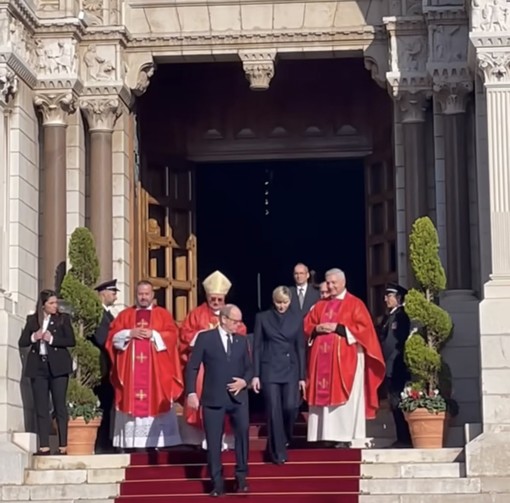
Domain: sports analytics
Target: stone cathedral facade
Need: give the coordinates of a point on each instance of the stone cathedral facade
(73, 74)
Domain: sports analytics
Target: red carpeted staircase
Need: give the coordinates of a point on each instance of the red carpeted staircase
(180, 476)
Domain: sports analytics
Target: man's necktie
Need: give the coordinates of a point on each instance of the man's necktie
(229, 345)
(301, 297)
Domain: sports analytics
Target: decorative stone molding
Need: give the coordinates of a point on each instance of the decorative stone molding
(259, 68)
(101, 113)
(375, 59)
(56, 58)
(412, 104)
(494, 66)
(98, 67)
(8, 85)
(55, 107)
(144, 78)
(490, 16)
(452, 88)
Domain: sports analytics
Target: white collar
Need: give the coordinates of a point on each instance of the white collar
(223, 332)
(342, 295)
(302, 287)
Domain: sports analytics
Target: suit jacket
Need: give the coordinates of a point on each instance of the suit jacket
(279, 347)
(99, 339)
(59, 358)
(219, 370)
(393, 334)
(312, 295)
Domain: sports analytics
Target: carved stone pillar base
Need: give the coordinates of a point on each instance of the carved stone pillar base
(259, 68)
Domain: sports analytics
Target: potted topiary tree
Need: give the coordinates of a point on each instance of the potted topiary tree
(425, 399)
(77, 292)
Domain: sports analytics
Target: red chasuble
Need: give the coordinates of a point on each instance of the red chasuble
(199, 319)
(146, 381)
(332, 362)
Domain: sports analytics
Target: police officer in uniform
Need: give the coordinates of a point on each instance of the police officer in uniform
(107, 292)
(394, 332)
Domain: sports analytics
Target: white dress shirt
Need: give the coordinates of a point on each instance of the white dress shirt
(43, 349)
(224, 338)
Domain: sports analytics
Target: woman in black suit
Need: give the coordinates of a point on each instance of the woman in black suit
(49, 334)
(279, 368)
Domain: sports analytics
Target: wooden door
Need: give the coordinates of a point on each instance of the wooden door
(168, 248)
(381, 230)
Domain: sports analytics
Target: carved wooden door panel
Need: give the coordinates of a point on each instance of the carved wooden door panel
(381, 230)
(168, 248)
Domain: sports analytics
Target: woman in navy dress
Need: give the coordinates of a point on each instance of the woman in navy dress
(279, 368)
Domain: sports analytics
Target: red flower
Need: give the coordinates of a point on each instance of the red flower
(415, 394)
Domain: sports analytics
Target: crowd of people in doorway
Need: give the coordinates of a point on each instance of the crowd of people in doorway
(314, 345)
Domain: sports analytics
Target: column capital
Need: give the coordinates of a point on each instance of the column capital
(412, 104)
(8, 85)
(258, 67)
(452, 86)
(55, 107)
(494, 65)
(101, 112)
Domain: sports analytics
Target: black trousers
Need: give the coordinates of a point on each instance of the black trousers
(214, 420)
(395, 386)
(282, 407)
(105, 395)
(42, 385)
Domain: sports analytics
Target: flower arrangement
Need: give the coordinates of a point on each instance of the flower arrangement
(78, 294)
(432, 326)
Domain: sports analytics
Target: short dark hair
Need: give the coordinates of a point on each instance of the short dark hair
(144, 282)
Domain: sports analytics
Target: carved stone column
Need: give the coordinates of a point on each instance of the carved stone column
(451, 96)
(54, 108)
(412, 107)
(258, 67)
(101, 114)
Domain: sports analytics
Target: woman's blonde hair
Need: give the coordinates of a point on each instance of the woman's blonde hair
(282, 293)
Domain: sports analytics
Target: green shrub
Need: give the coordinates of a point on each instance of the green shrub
(78, 292)
(432, 325)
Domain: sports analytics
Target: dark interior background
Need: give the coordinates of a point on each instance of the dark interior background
(313, 212)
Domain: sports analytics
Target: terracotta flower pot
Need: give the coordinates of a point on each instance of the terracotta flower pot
(428, 430)
(81, 436)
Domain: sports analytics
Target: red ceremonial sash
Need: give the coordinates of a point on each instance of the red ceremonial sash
(326, 343)
(142, 367)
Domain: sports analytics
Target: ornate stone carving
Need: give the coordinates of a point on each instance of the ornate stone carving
(144, 78)
(98, 67)
(495, 66)
(55, 107)
(94, 11)
(490, 15)
(411, 54)
(259, 68)
(448, 43)
(20, 40)
(101, 113)
(412, 104)
(8, 85)
(452, 94)
(56, 58)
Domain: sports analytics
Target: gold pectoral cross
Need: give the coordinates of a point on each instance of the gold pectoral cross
(141, 395)
(141, 357)
(142, 324)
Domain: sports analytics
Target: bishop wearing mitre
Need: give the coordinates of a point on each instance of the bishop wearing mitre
(146, 374)
(346, 366)
(204, 317)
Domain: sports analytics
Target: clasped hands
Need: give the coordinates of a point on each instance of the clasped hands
(140, 333)
(42, 336)
(325, 328)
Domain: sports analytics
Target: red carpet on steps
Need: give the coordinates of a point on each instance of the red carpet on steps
(180, 476)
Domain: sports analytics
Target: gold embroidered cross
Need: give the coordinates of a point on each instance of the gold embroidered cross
(141, 357)
(143, 324)
(141, 395)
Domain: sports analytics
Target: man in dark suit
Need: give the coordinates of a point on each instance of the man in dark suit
(107, 292)
(394, 332)
(227, 372)
(304, 295)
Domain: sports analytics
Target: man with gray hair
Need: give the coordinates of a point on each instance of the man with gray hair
(346, 366)
(227, 372)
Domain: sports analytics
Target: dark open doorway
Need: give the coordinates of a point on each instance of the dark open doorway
(258, 219)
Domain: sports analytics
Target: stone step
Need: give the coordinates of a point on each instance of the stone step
(109, 500)
(77, 476)
(59, 492)
(413, 455)
(420, 486)
(94, 462)
(412, 470)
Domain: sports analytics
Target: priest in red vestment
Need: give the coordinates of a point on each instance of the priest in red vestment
(146, 374)
(346, 366)
(204, 317)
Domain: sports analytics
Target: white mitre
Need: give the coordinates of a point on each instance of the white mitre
(216, 283)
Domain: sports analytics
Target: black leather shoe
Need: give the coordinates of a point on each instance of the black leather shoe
(216, 493)
(242, 487)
